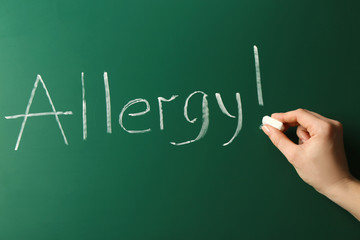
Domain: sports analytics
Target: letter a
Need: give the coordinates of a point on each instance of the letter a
(27, 114)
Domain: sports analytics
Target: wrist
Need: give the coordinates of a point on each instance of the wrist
(346, 193)
(340, 188)
(335, 189)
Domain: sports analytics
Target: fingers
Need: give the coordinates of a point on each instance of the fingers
(309, 124)
(281, 141)
(303, 134)
(317, 115)
(323, 118)
(299, 117)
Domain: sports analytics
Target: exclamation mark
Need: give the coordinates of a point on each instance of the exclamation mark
(258, 78)
(84, 107)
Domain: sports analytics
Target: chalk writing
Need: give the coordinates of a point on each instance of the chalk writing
(84, 107)
(205, 120)
(258, 78)
(27, 115)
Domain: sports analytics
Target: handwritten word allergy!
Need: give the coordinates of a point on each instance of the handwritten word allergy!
(161, 101)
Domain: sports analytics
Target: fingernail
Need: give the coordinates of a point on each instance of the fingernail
(265, 129)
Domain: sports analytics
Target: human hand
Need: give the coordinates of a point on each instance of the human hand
(319, 158)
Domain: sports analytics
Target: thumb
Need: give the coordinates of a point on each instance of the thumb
(281, 141)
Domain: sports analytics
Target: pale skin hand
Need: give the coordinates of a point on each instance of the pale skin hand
(319, 158)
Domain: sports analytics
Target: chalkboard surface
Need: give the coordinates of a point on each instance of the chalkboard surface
(114, 116)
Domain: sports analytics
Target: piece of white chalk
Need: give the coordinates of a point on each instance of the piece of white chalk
(273, 122)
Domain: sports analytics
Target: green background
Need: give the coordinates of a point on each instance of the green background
(139, 186)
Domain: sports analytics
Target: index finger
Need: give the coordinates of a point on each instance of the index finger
(298, 117)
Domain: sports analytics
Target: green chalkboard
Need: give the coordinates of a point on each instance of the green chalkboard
(145, 93)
